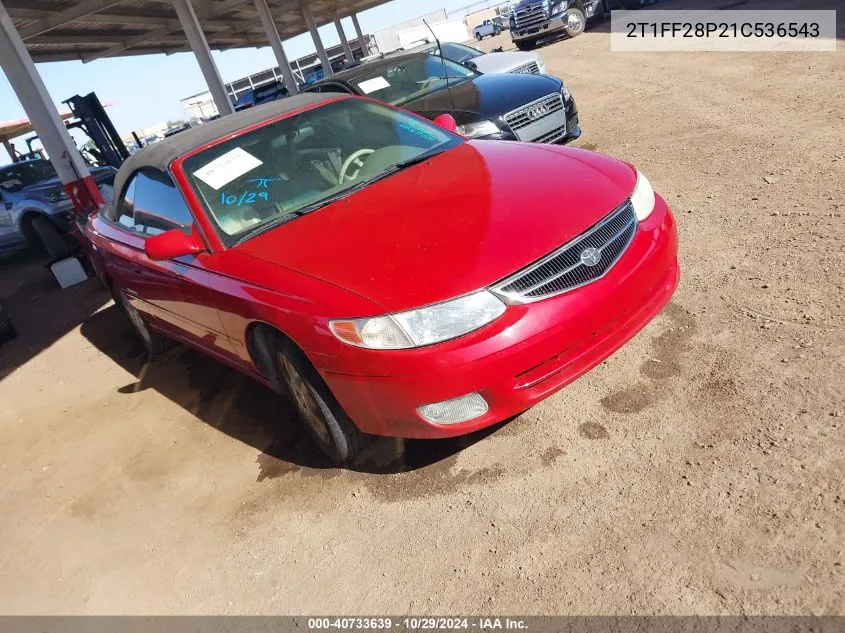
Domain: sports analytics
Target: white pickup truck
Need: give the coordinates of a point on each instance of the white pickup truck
(488, 27)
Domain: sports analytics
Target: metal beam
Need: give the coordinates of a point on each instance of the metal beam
(343, 41)
(126, 18)
(361, 41)
(82, 39)
(68, 15)
(203, 13)
(39, 107)
(196, 38)
(318, 42)
(276, 44)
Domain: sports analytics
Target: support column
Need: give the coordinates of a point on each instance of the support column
(276, 44)
(9, 151)
(196, 38)
(318, 42)
(343, 41)
(39, 107)
(361, 42)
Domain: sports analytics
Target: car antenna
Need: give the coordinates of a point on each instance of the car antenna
(442, 61)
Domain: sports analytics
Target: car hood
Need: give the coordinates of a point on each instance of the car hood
(485, 96)
(51, 184)
(524, 4)
(451, 225)
(504, 62)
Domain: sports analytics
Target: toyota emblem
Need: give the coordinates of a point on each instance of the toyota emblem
(590, 256)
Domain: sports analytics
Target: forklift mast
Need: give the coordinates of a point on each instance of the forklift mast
(92, 118)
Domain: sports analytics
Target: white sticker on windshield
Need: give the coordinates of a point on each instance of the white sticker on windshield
(371, 85)
(226, 168)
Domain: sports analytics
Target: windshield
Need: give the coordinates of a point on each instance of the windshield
(280, 171)
(15, 177)
(456, 52)
(400, 81)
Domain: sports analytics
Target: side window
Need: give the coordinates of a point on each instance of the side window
(159, 206)
(122, 211)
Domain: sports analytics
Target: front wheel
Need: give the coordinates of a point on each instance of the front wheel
(526, 45)
(478, 36)
(323, 417)
(575, 21)
(50, 238)
(154, 342)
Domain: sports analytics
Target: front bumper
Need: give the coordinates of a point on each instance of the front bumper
(573, 128)
(554, 26)
(525, 356)
(572, 132)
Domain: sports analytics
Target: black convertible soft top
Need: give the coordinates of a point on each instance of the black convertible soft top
(160, 155)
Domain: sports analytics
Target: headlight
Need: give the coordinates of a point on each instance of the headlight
(560, 8)
(565, 92)
(479, 128)
(61, 194)
(643, 198)
(424, 326)
(5, 218)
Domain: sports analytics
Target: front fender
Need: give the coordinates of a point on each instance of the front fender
(58, 213)
(22, 213)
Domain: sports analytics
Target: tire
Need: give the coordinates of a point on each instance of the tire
(526, 45)
(321, 415)
(154, 342)
(479, 36)
(7, 330)
(50, 238)
(577, 20)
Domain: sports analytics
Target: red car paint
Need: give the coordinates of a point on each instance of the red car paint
(451, 225)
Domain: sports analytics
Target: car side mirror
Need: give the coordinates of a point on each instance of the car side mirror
(172, 244)
(447, 122)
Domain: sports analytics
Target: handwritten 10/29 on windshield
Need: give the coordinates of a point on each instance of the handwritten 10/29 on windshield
(248, 197)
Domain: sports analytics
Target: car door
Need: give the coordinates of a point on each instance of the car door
(172, 294)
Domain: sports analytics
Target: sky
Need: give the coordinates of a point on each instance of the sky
(148, 88)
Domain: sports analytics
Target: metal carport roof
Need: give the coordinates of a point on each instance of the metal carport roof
(59, 30)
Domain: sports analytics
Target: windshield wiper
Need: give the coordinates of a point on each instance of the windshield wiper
(340, 195)
(444, 78)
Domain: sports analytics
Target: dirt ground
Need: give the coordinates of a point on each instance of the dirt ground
(699, 470)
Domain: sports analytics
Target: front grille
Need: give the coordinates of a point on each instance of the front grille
(534, 111)
(529, 68)
(552, 137)
(529, 17)
(563, 269)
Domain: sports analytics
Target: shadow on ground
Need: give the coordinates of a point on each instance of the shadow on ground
(40, 310)
(241, 407)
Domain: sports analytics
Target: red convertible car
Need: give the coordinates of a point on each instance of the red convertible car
(389, 275)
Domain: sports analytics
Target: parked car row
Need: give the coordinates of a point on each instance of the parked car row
(352, 245)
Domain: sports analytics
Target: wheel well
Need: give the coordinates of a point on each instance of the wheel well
(258, 337)
(26, 225)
